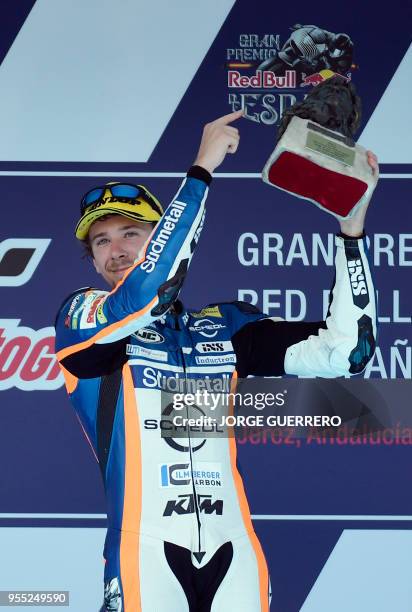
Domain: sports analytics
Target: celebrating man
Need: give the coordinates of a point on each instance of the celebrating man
(180, 536)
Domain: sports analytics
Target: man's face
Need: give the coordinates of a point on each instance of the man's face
(115, 243)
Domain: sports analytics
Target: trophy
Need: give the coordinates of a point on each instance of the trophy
(316, 158)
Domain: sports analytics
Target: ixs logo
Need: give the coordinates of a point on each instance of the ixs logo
(199, 228)
(27, 359)
(19, 258)
(185, 504)
(358, 283)
(214, 347)
(197, 233)
(357, 277)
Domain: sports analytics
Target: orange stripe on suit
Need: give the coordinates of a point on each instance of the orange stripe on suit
(129, 544)
(244, 508)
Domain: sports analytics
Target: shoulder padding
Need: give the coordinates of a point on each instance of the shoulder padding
(67, 298)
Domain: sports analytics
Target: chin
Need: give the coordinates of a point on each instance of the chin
(116, 278)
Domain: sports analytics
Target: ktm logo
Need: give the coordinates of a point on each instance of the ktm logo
(19, 258)
(186, 505)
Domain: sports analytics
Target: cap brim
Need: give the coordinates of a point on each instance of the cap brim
(141, 211)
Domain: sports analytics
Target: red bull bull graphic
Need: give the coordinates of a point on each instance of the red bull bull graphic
(318, 77)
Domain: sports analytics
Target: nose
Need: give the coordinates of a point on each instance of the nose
(117, 250)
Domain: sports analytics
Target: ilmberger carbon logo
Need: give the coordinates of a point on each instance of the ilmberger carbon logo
(204, 474)
(19, 258)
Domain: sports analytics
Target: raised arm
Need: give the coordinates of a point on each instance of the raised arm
(91, 320)
(341, 345)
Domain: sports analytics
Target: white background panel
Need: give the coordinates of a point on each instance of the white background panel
(367, 570)
(388, 131)
(53, 559)
(98, 80)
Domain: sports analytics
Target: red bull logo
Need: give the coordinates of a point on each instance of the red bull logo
(318, 77)
(27, 358)
(265, 79)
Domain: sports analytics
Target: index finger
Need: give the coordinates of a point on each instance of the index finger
(225, 119)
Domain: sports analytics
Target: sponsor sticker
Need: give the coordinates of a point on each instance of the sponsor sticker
(212, 311)
(206, 328)
(135, 349)
(92, 314)
(162, 235)
(214, 347)
(185, 504)
(205, 474)
(151, 336)
(215, 359)
(75, 302)
(86, 321)
(101, 317)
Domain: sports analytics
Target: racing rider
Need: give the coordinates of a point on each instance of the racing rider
(180, 536)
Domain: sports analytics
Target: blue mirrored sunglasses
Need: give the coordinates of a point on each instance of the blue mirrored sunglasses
(120, 191)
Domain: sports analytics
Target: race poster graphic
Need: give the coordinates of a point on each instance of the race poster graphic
(95, 93)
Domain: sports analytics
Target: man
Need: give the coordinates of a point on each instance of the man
(178, 541)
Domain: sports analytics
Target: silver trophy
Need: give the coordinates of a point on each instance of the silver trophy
(316, 158)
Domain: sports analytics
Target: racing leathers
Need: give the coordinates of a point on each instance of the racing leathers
(180, 536)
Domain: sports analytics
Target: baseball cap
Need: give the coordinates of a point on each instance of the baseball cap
(132, 201)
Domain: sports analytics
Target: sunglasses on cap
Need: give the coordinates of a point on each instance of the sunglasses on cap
(121, 192)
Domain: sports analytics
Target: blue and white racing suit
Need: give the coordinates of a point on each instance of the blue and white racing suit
(180, 536)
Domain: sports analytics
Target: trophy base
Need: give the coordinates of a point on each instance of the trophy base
(322, 166)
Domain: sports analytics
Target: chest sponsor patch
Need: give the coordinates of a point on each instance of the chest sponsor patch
(215, 359)
(212, 311)
(142, 351)
(89, 308)
(204, 474)
(206, 328)
(214, 347)
(151, 336)
(101, 317)
(73, 305)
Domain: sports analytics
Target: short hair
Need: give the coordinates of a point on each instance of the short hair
(87, 247)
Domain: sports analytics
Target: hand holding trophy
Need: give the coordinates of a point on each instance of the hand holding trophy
(316, 157)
